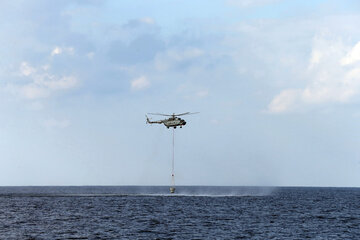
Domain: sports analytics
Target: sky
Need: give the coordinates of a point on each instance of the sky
(276, 82)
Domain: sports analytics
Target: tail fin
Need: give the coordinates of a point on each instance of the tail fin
(147, 119)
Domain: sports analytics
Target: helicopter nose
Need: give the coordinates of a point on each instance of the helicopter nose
(184, 123)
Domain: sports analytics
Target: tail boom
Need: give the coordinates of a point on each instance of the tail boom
(152, 122)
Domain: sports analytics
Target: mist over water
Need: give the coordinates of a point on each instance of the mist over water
(136, 191)
(223, 191)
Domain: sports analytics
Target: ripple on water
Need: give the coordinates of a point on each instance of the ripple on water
(131, 213)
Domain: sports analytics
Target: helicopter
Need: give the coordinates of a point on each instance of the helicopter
(173, 120)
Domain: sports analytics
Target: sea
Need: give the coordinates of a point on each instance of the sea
(193, 212)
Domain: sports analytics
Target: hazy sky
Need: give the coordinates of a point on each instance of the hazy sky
(277, 84)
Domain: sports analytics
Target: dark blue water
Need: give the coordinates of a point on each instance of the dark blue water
(194, 213)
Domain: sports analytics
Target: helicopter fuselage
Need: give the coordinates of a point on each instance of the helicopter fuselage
(170, 122)
(174, 122)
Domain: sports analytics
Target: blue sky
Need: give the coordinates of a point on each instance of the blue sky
(277, 84)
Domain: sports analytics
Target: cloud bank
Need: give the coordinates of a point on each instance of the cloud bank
(334, 77)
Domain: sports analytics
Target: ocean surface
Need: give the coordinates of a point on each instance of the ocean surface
(191, 213)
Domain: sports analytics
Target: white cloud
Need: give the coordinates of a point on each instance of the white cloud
(54, 123)
(202, 93)
(36, 106)
(250, 3)
(140, 83)
(26, 69)
(32, 91)
(353, 56)
(284, 101)
(315, 58)
(56, 51)
(353, 76)
(42, 84)
(191, 95)
(190, 91)
(59, 50)
(55, 83)
(170, 58)
(328, 79)
(90, 55)
(140, 22)
(147, 20)
(46, 67)
(215, 121)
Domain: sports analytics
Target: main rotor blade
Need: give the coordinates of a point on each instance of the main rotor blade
(172, 115)
(161, 114)
(187, 113)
